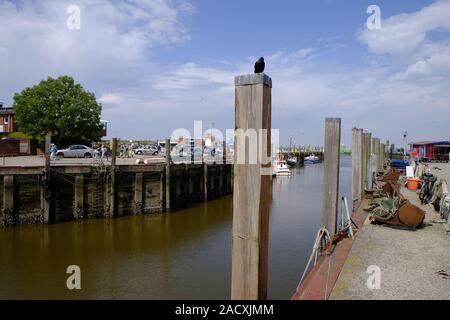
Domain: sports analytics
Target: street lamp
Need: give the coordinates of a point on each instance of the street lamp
(405, 141)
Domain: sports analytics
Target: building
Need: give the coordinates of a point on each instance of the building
(430, 150)
(7, 121)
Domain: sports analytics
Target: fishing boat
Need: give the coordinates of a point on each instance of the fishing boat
(292, 161)
(281, 169)
(312, 159)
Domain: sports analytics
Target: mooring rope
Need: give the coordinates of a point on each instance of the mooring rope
(321, 234)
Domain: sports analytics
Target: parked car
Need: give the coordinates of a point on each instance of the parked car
(151, 150)
(76, 151)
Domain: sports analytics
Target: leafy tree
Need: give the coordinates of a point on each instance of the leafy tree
(59, 107)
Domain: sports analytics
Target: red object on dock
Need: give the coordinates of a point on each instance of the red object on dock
(320, 281)
(413, 183)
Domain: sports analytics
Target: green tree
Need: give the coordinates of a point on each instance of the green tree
(59, 107)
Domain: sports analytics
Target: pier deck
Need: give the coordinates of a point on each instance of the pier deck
(409, 260)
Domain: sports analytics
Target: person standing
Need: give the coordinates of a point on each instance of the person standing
(53, 150)
(103, 148)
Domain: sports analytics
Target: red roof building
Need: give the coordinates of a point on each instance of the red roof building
(431, 150)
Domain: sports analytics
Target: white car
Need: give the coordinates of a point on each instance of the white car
(76, 151)
(151, 150)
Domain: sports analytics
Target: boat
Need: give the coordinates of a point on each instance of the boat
(292, 161)
(345, 151)
(281, 169)
(312, 159)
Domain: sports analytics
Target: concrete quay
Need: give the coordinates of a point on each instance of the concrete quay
(412, 264)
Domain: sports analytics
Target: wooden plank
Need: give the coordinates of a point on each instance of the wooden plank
(331, 174)
(251, 197)
(357, 141)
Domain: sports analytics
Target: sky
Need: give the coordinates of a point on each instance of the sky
(159, 65)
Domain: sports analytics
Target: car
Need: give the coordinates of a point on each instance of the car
(151, 150)
(76, 151)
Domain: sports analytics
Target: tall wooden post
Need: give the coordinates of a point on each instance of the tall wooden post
(224, 153)
(78, 210)
(47, 176)
(8, 202)
(382, 156)
(192, 151)
(205, 182)
(168, 160)
(357, 142)
(367, 137)
(112, 201)
(251, 197)
(331, 174)
(138, 193)
(376, 152)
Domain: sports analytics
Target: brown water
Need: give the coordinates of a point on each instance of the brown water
(182, 255)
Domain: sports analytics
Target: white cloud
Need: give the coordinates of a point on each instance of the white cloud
(112, 55)
(405, 33)
(111, 48)
(111, 99)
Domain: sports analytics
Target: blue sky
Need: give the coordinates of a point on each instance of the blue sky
(158, 65)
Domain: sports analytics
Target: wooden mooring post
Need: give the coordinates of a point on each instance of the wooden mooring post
(112, 188)
(251, 197)
(382, 155)
(8, 202)
(168, 160)
(46, 201)
(367, 138)
(78, 210)
(331, 174)
(357, 142)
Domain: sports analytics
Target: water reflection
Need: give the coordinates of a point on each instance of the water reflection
(182, 255)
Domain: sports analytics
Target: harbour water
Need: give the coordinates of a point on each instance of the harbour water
(185, 254)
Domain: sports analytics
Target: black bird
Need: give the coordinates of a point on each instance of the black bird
(260, 65)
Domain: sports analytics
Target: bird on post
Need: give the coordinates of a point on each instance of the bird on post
(260, 65)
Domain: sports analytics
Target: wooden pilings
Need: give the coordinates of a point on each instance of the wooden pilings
(369, 161)
(8, 202)
(366, 161)
(357, 153)
(78, 210)
(331, 174)
(47, 176)
(252, 189)
(138, 194)
(382, 155)
(205, 182)
(112, 188)
(168, 160)
(224, 153)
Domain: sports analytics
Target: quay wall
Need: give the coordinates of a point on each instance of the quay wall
(87, 192)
